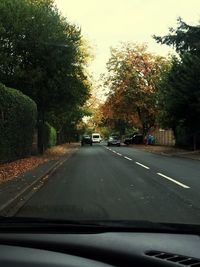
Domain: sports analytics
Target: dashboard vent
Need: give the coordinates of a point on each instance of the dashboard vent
(185, 261)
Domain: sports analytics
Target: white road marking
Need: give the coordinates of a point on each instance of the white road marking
(160, 174)
(142, 165)
(173, 180)
(113, 151)
(127, 158)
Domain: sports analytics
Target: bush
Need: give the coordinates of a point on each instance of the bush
(18, 115)
(185, 138)
(50, 136)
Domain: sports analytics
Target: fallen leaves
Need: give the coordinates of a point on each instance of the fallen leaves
(9, 171)
(13, 169)
(59, 150)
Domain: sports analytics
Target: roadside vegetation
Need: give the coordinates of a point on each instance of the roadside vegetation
(17, 124)
(44, 58)
(179, 91)
(146, 90)
(46, 90)
(133, 74)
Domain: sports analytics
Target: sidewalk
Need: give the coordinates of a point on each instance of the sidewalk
(10, 171)
(169, 151)
(16, 190)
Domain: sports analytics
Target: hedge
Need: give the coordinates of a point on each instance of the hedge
(18, 114)
(50, 136)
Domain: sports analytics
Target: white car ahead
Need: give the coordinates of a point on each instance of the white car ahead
(96, 138)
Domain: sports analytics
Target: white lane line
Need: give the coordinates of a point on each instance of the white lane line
(142, 165)
(173, 180)
(127, 158)
(114, 151)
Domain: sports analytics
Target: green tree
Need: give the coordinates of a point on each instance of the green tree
(42, 55)
(184, 38)
(179, 92)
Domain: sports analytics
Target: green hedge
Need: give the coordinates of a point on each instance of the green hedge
(50, 135)
(18, 115)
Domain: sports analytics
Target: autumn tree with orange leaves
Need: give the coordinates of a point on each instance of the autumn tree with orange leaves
(133, 75)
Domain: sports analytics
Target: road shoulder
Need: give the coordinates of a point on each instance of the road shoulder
(14, 192)
(169, 151)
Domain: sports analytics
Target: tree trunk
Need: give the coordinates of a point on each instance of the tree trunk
(41, 122)
(194, 141)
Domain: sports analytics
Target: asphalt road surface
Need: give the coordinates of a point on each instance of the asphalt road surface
(120, 183)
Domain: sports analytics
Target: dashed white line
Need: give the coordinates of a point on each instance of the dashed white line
(146, 167)
(173, 180)
(142, 165)
(127, 158)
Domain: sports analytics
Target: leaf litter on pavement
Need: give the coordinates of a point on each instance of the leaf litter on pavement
(11, 170)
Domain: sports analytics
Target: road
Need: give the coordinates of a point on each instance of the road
(111, 183)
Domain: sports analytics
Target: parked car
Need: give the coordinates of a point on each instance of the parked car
(86, 139)
(134, 139)
(114, 140)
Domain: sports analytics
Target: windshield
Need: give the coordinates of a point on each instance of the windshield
(99, 110)
(114, 137)
(95, 136)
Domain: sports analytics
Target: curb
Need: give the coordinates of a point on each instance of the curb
(11, 207)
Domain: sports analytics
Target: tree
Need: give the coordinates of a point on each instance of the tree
(180, 90)
(66, 122)
(185, 38)
(42, 55)
(133, 76)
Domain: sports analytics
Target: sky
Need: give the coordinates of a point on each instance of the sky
(107, 23)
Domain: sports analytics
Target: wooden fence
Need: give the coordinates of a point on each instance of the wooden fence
(163, 136)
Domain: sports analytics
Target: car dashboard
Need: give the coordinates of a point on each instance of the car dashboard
(99, 249)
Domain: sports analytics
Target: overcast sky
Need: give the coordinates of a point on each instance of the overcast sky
(106, 23)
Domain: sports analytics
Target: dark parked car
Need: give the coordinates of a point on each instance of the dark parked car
(86, 139)
(113, 140)
(134, 139)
